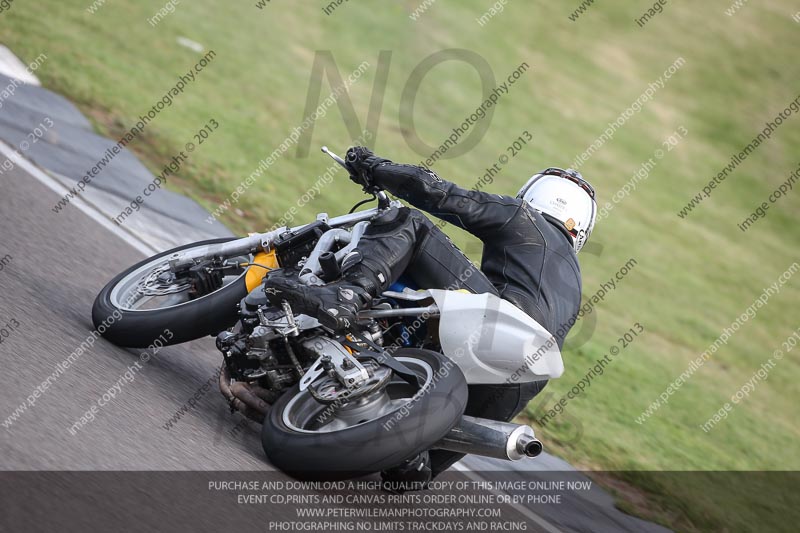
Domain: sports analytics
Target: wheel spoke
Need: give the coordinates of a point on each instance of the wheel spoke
(305, 414)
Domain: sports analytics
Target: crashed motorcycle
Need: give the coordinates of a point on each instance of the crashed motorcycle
(336, 404)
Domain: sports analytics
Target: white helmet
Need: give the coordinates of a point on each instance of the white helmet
(566, 196)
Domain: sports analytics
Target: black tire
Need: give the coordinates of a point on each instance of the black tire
(207, 315)
(369, 447)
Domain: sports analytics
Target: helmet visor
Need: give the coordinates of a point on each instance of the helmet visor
(572, 176)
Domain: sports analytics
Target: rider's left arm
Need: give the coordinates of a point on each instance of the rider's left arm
(477, 212)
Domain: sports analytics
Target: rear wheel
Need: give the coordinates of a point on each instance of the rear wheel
(142, 302)
(395, 421)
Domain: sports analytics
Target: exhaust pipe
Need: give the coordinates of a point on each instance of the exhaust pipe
(491, 438)
(249, 400)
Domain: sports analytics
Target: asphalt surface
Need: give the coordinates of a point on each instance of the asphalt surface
(53, 265)
(60, 261)
(69, 149)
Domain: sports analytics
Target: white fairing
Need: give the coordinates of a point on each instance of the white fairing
(493, 341)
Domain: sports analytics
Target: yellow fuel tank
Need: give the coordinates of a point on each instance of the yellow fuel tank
(255, 274)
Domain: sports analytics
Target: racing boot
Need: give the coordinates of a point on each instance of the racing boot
(411, 474)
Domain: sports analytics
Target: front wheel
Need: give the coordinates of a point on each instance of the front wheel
(340, 440)
(138, 305)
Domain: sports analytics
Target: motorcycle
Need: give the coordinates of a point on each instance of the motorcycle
(336, 405)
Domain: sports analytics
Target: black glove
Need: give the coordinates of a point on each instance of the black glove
(361, 163)
(335, 305)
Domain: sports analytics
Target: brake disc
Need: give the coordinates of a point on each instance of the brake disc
(161, 282)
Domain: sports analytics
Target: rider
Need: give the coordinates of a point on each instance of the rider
(529, 258)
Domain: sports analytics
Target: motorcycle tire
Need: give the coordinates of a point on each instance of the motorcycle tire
(186, 321)
(376, 444)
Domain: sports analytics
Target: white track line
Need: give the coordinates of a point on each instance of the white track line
(84, 206)
(541, 522)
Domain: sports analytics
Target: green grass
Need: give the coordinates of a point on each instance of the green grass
(694, 276)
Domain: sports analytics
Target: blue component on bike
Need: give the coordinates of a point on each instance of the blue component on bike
(402, 283)
(397, 287)
(404, 335)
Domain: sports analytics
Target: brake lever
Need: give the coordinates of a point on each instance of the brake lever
(342, 162)
(383, 199)
(335, 158)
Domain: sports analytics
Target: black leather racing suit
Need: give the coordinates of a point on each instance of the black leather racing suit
(528, 259)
